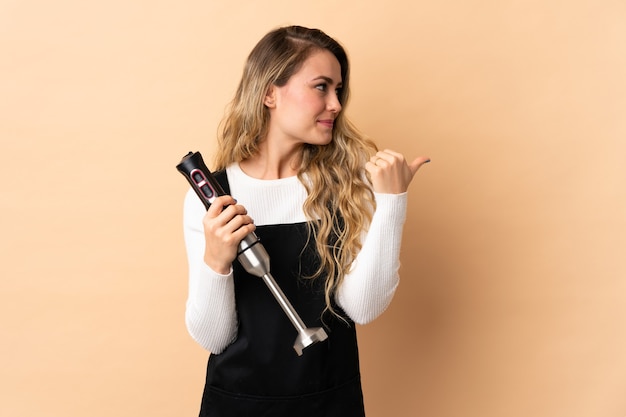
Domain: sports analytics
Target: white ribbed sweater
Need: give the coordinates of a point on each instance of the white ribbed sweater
(211, 314)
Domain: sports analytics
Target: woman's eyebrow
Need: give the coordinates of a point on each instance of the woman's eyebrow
(327, 79)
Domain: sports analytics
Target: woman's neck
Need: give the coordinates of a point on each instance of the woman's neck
(273, 162)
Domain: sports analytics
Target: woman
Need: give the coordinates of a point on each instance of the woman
(329, 210)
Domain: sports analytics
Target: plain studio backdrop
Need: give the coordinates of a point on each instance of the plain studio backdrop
(512, 297)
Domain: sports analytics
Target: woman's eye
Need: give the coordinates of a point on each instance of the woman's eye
(321, 87)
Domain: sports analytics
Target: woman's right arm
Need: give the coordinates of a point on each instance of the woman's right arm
(210, 315)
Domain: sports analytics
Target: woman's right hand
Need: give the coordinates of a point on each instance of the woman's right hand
(226, 223)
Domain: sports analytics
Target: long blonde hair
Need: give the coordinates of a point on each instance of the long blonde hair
(334, 176)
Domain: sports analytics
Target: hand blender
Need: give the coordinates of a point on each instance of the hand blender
(251, 254)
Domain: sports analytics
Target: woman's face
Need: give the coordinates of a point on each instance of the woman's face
(305, 108)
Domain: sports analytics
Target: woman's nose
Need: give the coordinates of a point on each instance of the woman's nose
(333, 104)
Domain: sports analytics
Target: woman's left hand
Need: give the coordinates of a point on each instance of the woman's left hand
(390, 172)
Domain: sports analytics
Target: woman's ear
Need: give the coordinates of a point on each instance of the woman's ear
(270, 97)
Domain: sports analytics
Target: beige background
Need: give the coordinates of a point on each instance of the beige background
(513, 289)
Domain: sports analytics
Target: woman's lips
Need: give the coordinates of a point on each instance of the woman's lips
(327, 122)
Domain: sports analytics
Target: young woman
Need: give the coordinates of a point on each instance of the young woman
(329, 209)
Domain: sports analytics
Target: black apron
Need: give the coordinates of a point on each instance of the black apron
(260, 374)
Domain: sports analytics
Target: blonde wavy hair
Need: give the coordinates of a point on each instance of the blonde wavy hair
(339, 195)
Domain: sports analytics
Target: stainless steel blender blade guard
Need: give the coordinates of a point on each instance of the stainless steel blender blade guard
(307, 337)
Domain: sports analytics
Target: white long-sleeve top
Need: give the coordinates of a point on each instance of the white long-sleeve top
(366, 291)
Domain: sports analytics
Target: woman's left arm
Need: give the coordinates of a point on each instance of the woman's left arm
(368, 288)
